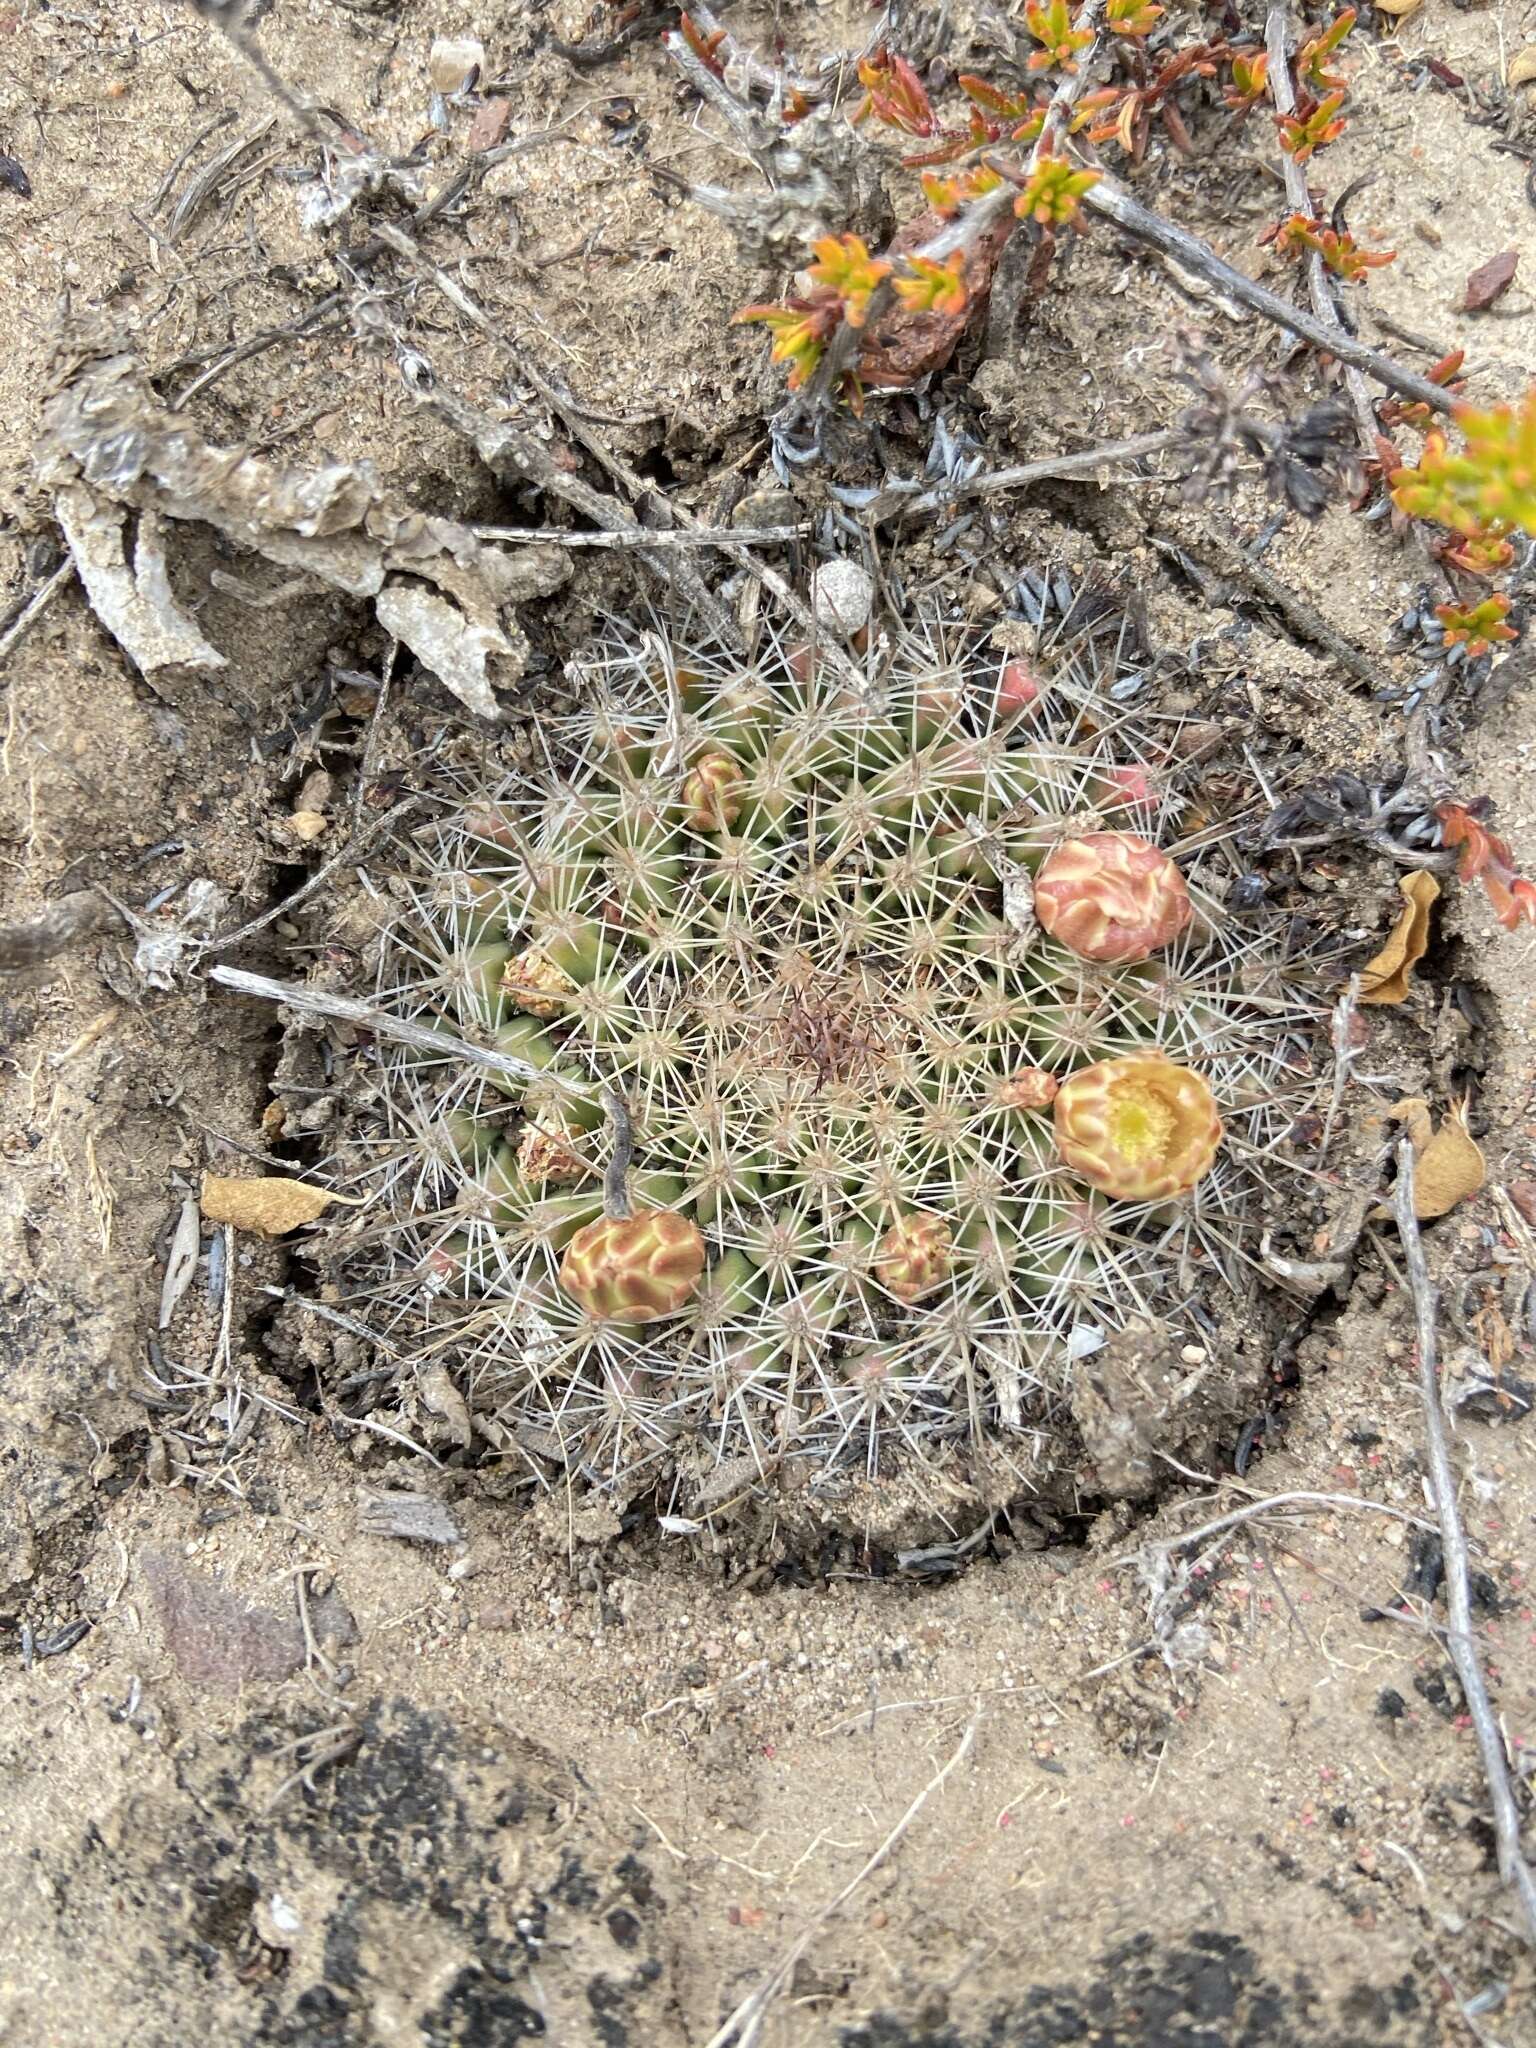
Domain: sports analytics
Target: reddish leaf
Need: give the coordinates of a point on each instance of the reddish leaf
(1491, 281)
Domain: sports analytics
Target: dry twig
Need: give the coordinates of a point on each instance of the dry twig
(34, 608)
(1459, 1639)
(1282, 91)
(321, 1002)
(1142, 225)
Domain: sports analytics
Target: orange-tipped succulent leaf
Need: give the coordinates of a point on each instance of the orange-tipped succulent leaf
(1139, 1129)
(1112, 897)
(634, 1269)
(913, 1257)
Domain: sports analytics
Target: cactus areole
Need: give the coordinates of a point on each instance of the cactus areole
(870, 1111)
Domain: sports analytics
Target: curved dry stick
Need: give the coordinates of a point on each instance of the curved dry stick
(1459, 1639)
(1138, 221)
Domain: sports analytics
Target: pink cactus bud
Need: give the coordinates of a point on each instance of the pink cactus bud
(712, 792)
(1139, 1129)
(1111, 896)
(1129, 789)
(1018, 689)
(1029, 1088)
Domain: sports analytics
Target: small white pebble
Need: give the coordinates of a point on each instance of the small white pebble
(842, 597)
(1193, 1354)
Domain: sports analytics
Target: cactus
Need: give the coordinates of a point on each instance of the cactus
(901, 1145)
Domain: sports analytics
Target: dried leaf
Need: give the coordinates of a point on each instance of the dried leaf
(1522, 66)
(1491, 281)
(1450, 1164)
(1398, 8)
(488, 130)
(110, 447)
(1386, 978)
(443, 640)
(270, 1206)
(907, 344)
(180, 1261)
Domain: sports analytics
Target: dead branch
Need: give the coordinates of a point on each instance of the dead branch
(1459, 1639)
(322, 1002)
(1282, 91)
(31, 942)
(1084, 462)
(346, 857)
(1139, 222)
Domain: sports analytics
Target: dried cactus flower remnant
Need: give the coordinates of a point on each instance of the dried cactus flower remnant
(914, 1257)
(771, 912)
(635, 1269)
(1138, 1129)
(1112, 896)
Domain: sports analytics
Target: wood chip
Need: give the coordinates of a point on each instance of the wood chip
(489, 127)
(1490, 281)
(1386, 978)
(270, 1206)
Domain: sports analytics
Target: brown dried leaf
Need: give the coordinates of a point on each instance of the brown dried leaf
(1450, 1164)
(1490, 281)
(270, 1206)
(906, 345)
(1385, 979)
(1522, 66)
(1399, 8)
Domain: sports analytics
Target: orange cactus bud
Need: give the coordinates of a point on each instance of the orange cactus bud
(913, 1257)
(634, 1269)
(531, 981)
(712, 792)
(1029, 1088)
(1139, 1129)
(1112, 896)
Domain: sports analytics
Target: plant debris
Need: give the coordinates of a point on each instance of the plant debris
(1386, 978)
(271, 1205)
(109, 449)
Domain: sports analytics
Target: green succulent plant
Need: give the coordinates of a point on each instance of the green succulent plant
(837, 950)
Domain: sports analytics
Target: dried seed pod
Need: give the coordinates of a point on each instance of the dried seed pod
(531, 981)
(913, 1257)
(544, 1154)
(1112, 897)
(1139, 1129)
(634, 1269)
(713, 792)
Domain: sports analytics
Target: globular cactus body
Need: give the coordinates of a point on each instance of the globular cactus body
(896, 1142)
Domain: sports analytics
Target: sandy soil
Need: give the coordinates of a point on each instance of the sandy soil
(296, 1782)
